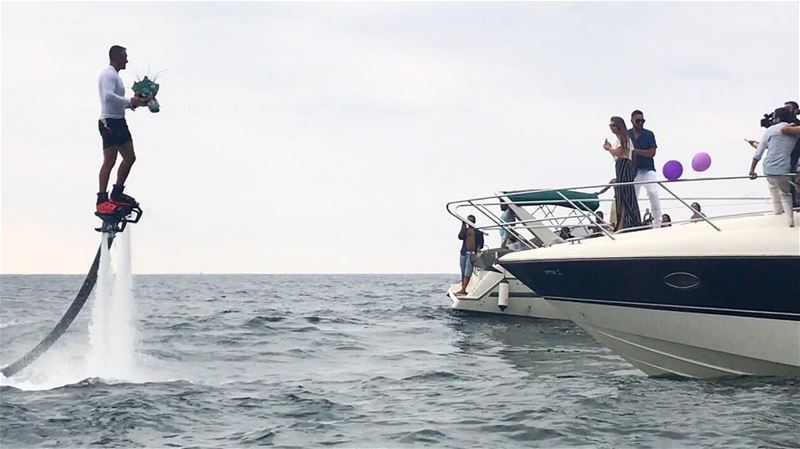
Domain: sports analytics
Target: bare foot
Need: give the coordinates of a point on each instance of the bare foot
(461, 293)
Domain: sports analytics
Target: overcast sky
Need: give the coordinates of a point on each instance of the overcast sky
(327, 138)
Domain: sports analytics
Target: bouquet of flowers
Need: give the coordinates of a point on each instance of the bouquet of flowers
(147, 88)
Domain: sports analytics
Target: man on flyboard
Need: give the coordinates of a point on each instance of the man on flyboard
(114, 131)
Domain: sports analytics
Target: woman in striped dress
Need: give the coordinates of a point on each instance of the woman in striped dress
(621, 148)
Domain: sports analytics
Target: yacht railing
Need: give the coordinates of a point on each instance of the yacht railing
(580, 216)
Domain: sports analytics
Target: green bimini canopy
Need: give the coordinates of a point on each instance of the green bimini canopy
(581, 200)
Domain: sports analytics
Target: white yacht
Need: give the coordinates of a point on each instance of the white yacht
(492, 289)
(717, 296)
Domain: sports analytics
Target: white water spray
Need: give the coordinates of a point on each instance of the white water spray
(112, 331)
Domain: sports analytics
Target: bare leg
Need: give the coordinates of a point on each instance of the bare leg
(109, 159)
(464, 282)
(128, 158)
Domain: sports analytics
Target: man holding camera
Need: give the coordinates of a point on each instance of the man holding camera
(767, 121)
(779, 141)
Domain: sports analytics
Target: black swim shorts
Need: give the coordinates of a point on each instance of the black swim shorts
(114, 131)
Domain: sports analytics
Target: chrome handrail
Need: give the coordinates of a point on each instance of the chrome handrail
(482, 203)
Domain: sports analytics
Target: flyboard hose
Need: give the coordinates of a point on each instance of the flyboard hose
(66, 320)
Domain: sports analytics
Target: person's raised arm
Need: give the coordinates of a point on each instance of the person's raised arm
(791, 129)
(610, 148)
(752, 143)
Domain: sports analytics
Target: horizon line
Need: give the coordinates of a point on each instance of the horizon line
(238, 274)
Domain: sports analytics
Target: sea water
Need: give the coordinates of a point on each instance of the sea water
(346, 361)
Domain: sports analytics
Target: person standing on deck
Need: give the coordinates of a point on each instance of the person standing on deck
(506, 216)
(778, 141)
(627, 208)
(471, 243)
(644, 149)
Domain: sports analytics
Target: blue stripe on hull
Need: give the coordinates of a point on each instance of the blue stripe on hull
(767, 287)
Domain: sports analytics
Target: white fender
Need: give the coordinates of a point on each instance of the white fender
(502, 295)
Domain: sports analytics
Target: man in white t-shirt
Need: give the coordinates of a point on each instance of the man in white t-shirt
(114, 130)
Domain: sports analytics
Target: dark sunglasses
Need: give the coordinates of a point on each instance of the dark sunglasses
(613, 125)
(639, 120)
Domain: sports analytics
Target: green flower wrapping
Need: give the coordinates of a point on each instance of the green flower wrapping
(147, 88)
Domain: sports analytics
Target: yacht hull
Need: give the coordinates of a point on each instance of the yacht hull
(688, 301)
(690, 344)
(754, 286)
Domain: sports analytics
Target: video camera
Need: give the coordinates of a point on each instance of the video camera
(766, 122)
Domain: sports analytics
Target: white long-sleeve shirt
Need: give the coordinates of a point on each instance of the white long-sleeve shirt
(112, 94)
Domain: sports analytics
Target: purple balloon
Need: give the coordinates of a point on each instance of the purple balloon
(701, 161)
(673, 170)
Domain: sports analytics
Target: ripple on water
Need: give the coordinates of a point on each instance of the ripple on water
(366, 361)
